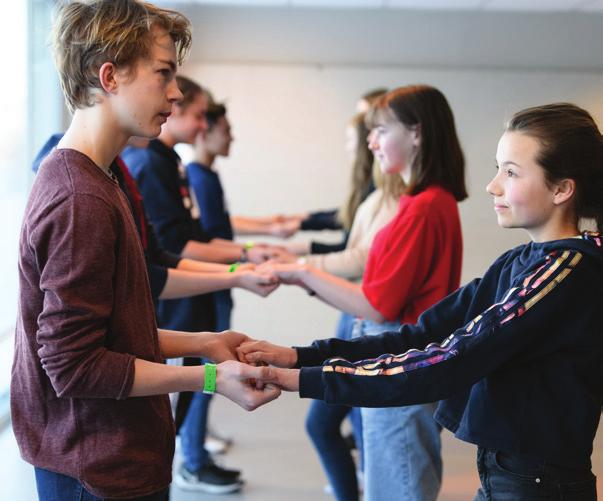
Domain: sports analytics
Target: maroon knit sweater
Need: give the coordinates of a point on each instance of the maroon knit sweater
(85, 314)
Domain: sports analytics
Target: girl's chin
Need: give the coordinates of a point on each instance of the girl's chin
(390, 171)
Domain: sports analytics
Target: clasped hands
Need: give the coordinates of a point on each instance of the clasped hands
(263, 279)
(251, 373)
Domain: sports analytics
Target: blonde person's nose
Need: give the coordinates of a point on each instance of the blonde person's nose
(173, 92)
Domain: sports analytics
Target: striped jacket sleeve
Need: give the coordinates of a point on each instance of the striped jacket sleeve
(510, 327)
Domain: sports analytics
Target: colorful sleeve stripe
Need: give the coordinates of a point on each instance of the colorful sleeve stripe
(514, 304)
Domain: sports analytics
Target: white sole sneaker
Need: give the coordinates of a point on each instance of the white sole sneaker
(183, 484)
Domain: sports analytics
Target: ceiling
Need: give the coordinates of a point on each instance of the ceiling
(472, 5)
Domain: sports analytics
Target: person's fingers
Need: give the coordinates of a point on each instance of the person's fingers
(258, 357)
(269, 393)
(260, 373)
(253, 352)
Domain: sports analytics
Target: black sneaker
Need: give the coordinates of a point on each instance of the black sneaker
(211, 479)
(228, 472)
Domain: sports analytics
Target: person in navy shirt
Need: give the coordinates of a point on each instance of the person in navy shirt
(211, 143)
(514, 356)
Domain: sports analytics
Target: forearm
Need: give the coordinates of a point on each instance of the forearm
(192, 265)
(348, 264)
(340, 293)
(249, 226)
(182, 283)
(176, 344)
(226, 243)
(258, 219)
(151, 378)
(211, 252)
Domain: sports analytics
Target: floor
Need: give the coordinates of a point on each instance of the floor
(277, 459)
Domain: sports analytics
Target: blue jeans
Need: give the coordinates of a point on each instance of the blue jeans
(194, 427)
(402, 448)
(193, 432)
(323, 424)
(512, 477)
(223, 306)
(57, 487)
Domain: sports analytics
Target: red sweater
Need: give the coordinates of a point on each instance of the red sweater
(416, 259)
(85, 314)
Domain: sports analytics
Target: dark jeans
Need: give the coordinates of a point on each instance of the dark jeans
(511, 477)
(194, 430)
(56, 487)
(323, 424)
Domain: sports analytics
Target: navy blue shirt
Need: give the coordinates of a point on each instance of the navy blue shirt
(215, 222)
(516, 355)
(214, 217)
(167, 203)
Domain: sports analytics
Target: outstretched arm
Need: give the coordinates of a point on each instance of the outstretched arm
(264, 226)
(432, 326)
(234, 380)
(338, 292)
(182, 283)
(509, 328)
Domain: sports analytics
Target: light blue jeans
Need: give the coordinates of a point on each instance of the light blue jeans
(402, 449)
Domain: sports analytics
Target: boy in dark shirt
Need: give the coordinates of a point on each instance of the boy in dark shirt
(88, 391)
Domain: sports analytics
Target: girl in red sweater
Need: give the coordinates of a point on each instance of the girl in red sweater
(414, 262)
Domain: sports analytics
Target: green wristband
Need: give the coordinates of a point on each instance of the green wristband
(233, 267)
(209, 385)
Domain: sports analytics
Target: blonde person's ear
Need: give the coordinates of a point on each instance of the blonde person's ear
(107, 75)
(563, 191)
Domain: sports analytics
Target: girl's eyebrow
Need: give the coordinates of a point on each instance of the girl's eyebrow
(508, 162)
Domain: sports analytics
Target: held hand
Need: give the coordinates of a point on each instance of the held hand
(247, 386)
(285, 228)
(284, 256)
(262, 284)
(281, 218)
(288, 273)
(223, 346)
(257, 352)
(260, 253)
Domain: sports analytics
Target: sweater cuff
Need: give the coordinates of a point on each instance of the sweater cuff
(306, 357)
(310, 383)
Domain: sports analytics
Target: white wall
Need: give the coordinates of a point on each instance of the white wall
(289, 118)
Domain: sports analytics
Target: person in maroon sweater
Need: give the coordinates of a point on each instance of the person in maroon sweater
(89, 387)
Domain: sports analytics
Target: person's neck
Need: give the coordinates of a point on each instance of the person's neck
(94, 131)
(167, 138)
(205, 158)
(554, 230)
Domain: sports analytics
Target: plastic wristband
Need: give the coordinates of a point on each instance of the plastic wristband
(209, 385)
(249, 244)
(233, 267)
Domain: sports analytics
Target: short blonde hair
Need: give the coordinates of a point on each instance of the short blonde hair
(89, 33)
